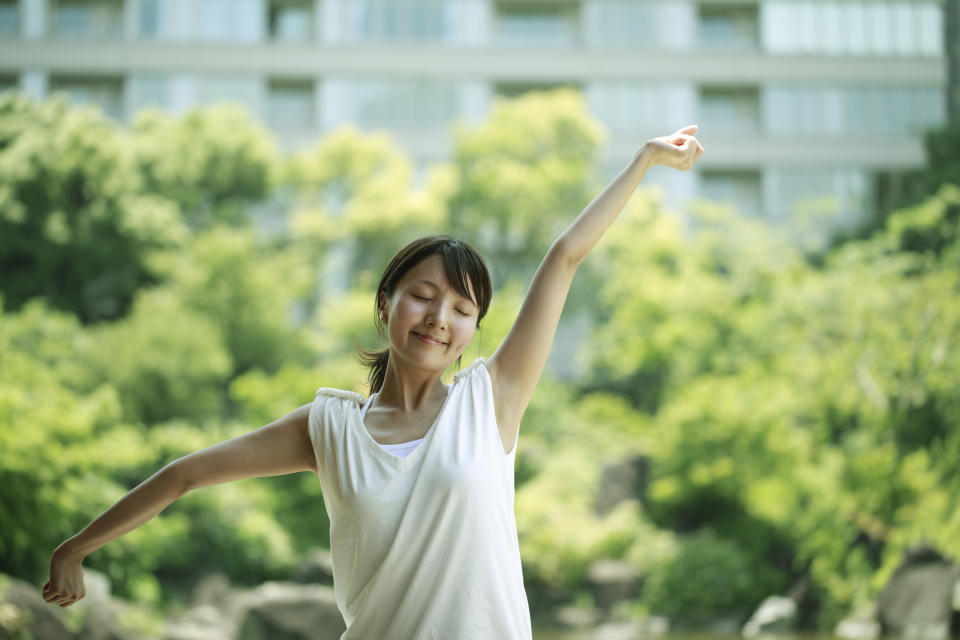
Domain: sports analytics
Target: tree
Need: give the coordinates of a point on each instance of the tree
(522, 176)
(74, 226)
(214, 162)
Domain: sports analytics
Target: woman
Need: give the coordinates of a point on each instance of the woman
(418, 478)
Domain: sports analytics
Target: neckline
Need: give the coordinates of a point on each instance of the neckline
(402, 463)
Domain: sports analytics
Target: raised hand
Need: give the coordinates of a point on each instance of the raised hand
(679, 150)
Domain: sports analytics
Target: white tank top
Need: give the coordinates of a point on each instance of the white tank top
(424, 546)
(401, 449)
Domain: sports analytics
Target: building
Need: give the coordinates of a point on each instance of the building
(804, 106)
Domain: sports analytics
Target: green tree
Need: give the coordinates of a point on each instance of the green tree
(522, 175)
(74, 226)
(214, 162)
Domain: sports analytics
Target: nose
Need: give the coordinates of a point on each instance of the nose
(438, 315)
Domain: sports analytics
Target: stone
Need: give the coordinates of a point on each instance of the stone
(917, 601)
(213, 589)
(316, 568)
(571, 617)
(25, 614)
(612, 581)
(627, 480)
(204, 622)
(287, 611)
(776, 614)
(861, 624)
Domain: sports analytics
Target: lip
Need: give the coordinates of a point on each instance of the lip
(429, 340)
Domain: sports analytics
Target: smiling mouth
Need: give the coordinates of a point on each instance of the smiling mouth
(429, 340)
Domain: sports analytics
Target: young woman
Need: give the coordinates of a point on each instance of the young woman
(418, 478)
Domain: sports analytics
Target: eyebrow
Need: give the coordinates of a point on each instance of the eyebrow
(436, 286)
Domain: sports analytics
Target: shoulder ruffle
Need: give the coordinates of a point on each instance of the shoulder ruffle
(463, 373)
(340, 393)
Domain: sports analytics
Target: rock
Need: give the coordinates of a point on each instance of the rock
(316, 568)
(612, 581)
(917, 602)
(205, 622)
(626, 480)
(25, 614)
(571, 617)
(861, 624)
(775, 615)
(291, 612)
(617, 631)
(103, 612)
(723, 626)
(214, 590)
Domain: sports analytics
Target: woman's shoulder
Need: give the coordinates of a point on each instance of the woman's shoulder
(470, 369)
(343, 394)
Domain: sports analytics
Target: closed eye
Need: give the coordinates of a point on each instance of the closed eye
(428, 299)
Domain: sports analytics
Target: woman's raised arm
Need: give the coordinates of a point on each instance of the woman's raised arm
(516, 365)
(281, 447)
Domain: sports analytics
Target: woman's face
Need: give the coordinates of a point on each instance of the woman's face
(425, 305)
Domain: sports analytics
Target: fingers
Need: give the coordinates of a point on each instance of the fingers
(64, 600)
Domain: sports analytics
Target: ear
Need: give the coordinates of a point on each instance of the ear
(382, 310)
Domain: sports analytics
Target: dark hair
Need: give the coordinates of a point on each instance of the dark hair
(463, 267)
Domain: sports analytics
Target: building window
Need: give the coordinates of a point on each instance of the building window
(291, 20)
(9, 19)
(739, 189)
(819, 199)
(88, 18)
(622, 23)
(517, 89)
(148, 90)
(8, 83)
(403, 104)
(730, 110)
(290, 104)
(227, 20)
(853, 28)
(632, 107)
(396, 20)
(245, 91)
(104, 92)
(148, 18)
(723, 26)
(544, 23)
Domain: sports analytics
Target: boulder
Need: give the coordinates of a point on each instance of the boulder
(861, 624)
(214, 590)
(103, 612)
(316, 568)
(775, 615)
(627, 480)
(203, 622)
(918, 600)
(612, 581)
(287, 611)
(25, 614)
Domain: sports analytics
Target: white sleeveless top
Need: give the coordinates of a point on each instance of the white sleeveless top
(424, 546)
(400, 449)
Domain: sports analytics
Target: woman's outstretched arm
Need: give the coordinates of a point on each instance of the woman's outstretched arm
(281, 447)
(516, 365)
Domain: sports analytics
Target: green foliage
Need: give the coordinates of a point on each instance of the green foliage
(163, 359)
(520, 174)
(213, 162)
(75, 226)
(707, 577)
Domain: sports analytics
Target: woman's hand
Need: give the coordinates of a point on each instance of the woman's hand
(66, 579)
(679, 150)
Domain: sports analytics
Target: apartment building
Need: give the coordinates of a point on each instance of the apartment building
(805, 107)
